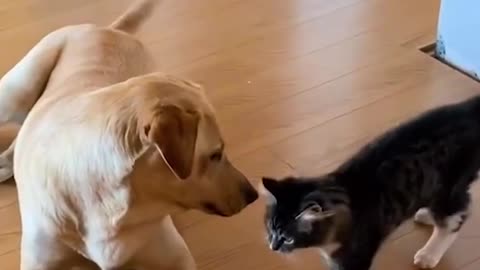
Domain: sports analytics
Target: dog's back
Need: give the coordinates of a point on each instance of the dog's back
(102, 56)
(89, 49)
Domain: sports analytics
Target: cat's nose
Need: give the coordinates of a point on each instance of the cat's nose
(276, 243)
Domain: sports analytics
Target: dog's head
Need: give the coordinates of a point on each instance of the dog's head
(186, 163)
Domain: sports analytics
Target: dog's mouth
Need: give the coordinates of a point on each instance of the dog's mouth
(212, 209)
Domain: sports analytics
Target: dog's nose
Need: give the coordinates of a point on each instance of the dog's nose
(251, 195)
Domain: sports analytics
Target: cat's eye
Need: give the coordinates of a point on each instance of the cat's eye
(289, 241)
(315, 208)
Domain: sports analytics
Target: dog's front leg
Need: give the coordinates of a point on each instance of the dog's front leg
(166, 251)
(43, 252)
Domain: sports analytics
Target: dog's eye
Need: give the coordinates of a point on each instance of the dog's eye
(217, 156)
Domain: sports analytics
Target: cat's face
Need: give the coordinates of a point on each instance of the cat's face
(301, 214)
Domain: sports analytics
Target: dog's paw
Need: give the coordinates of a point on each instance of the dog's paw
(6, 169)
(424, 259)
(424, 216)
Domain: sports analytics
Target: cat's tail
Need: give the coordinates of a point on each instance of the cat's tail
(134, 17)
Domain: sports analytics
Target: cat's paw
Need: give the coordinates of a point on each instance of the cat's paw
(424, 259)
(6, 169)
(424, 216)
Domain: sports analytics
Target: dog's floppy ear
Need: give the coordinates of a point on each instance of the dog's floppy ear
(174, 132)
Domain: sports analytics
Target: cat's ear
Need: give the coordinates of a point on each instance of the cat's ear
(314, 212)
(268, 188)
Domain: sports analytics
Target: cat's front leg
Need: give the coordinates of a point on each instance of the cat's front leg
(356, 254)
(348, 260)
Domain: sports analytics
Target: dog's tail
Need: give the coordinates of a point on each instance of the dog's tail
(133, 18)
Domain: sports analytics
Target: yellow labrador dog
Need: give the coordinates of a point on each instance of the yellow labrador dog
(107, 150)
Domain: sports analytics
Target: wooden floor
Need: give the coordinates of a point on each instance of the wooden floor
(298, 85)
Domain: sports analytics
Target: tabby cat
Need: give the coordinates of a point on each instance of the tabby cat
(422, 168)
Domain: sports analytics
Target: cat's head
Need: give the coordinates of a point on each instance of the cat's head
(304, 213)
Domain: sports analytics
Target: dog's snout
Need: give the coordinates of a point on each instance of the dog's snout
(251, 195)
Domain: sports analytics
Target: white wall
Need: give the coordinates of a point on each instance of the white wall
(458, 40)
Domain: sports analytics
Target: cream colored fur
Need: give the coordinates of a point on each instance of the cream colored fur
(108, 149)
